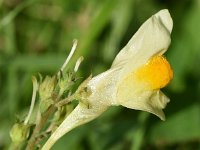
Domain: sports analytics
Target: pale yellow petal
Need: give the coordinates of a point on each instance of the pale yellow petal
(148, 101)
(140, 89)
(152, 38)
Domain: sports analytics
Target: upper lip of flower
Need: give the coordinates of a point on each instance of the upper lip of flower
(152, 39)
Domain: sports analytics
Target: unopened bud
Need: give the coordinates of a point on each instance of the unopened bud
(47, 87)
(46, 90)
(19, 132)
(66, 81)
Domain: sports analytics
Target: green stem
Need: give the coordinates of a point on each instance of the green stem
(65, 101)
(39, 127)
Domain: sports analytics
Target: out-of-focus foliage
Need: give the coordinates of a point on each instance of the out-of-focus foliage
(35, 36)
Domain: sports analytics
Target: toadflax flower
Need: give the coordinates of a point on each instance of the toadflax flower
(134, 80)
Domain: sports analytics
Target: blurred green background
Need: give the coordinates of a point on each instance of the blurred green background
(36, 36)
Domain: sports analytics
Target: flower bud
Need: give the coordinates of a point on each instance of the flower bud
(66, 81)
(19, 132)
(46, 90)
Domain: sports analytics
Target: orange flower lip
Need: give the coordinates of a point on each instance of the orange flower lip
(156, 72)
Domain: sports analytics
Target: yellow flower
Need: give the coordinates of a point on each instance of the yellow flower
(139, 70)
(134, 80)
